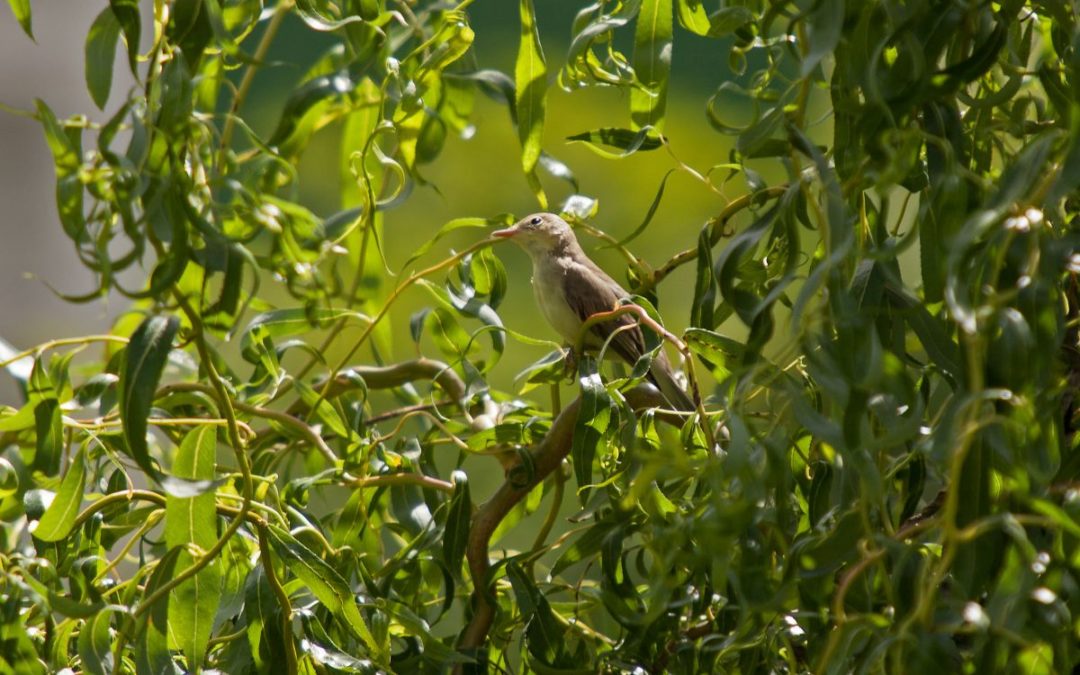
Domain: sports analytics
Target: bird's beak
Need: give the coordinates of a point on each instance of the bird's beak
(504, 234)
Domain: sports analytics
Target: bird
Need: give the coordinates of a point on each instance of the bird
(570, 288)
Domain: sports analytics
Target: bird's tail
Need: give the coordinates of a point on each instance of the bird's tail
(663, 377)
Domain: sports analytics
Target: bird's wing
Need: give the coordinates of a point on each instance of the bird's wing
(590, 291)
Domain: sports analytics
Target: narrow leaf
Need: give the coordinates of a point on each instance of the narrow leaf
(456, 532)
(652, 63)
(152, 655)
(324, 410)
(693, 17)
(50, 437)
(593, 421)
(191, 522)
(58, 519)
(21, 10)
(627, 140)
(94, 643)
(293, 321)
(530, 75)
(100, 54)
(144, 361)
(650, 213)
(324, 581)
(546, 636)
(127, 13)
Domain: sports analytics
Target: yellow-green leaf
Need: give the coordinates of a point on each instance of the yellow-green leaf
(21, 10)
(652, 64)
(58, 519)
(530, 76)
(190, 522)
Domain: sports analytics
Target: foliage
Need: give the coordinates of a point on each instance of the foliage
(248, 474)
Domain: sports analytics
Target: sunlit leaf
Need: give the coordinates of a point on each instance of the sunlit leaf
(325, 582)
(21, 10)
(59, 518)
(652, 63)
(95, 643)
(530, 78)
(191, 522)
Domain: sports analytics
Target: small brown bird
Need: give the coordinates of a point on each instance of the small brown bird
(569, 288)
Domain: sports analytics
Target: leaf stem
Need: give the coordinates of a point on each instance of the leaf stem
(61, 342)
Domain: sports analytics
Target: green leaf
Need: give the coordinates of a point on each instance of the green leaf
(584, 547)
(95, 643)
(316, 16)
(458, 521)
(530, 77)
(450, 338)
(191, 522)
(627, 140)
(144, 361)
(100, 54)
(293, 321)
(66, 147)
(652, 64)
(306, 108)
(453, 226)
(824, 26)
(324, 410)
(593, 422)
(326, 583)
(932, 332)
(59, 518)
(50, 437)
(434, 649)
(21, 10)
(260, 611)
(727, 20)
(715, 349)
(127, 13)
(546, 636)
(152, 655)
(189, 28)
(693, 17)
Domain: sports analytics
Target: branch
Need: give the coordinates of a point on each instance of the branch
(284, 419)
(643, 317)
(386, 377)
(717, 224)
(546, 458)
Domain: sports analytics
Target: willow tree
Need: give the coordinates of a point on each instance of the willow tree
(249, 473)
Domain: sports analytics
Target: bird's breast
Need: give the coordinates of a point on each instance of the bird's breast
(547, 283)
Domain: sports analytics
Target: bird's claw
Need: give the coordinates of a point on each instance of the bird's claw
(570, 362)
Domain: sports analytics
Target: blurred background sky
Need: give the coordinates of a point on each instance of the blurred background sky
(35, 252)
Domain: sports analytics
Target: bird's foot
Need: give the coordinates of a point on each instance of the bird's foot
(570, 361)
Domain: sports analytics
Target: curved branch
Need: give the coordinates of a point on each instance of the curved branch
(717, 224)
(395, 375)
(284, 419)
(546, 458)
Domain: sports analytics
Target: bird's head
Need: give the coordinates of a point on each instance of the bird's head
(539, 233)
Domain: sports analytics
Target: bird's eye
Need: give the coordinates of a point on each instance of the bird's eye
(535, 221)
